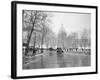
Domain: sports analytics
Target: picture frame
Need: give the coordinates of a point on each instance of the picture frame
(21, 66)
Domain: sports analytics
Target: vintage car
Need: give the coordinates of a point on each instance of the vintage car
(59, 51)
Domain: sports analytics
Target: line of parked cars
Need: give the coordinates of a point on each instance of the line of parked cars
(58, 50)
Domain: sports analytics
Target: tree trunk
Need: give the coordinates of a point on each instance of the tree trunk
(33, 23)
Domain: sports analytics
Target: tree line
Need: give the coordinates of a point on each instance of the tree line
(37, 33)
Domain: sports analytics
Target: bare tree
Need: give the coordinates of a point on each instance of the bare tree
(34, 21)
(50, 39)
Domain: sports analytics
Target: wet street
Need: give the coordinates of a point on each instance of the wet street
(50, 59)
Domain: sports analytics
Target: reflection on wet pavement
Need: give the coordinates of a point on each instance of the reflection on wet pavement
(54, 60)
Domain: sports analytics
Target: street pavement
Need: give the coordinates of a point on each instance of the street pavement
(50, 59)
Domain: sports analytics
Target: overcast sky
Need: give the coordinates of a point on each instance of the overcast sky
(71, 22)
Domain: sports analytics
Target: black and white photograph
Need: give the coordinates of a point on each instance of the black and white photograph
(54, 39)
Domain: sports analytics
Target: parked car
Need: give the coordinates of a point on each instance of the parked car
(51, 49)
(59, 51)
